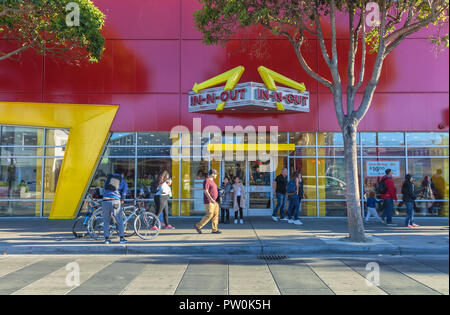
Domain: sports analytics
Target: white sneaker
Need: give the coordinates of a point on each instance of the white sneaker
(235, 221)
(275, 219)
(241, 221)
(291, 221)
(284, 219)
(298, 222)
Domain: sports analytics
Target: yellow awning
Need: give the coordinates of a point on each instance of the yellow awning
(251, 147)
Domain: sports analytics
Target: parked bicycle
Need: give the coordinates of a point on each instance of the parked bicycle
(80, 226)
(138, 221)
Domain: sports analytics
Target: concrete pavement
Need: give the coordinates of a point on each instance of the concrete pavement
(222, 275)
(257, 236)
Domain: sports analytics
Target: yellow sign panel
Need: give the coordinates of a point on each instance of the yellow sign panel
(89, 128)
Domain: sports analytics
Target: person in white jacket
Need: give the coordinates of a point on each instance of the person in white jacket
(162, 196)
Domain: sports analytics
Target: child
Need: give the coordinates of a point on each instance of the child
(371, 207)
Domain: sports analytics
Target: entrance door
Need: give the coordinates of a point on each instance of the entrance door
(260, 178)
(257, 178)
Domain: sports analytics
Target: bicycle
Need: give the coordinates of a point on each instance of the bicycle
(145, 224)
(81, 223)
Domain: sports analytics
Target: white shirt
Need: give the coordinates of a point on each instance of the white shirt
(164, 189)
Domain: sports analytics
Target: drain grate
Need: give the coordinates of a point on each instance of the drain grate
(272, 257)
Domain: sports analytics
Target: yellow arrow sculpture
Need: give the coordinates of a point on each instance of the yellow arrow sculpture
(232, 78)
(270, 77)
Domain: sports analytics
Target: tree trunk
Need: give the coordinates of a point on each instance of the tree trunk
(355, 223)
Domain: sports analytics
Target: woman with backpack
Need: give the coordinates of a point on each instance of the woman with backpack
(294, 192)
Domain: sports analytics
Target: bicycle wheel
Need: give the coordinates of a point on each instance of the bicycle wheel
(95, 227)
(129, 224)
(79, 228)
(147, 226)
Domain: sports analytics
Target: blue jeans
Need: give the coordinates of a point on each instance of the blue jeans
(409, 213)
(110, 207)
(388, 210)
(294, 206)
(281, 201)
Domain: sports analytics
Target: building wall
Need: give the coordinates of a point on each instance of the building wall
(154, 55)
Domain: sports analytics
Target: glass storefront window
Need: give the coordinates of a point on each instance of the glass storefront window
(302, 138)
(51, 174)
(383, 151)
(427, 138)
(109, 166)
(56, 137)
(20, 136)
(423, 151)
(118, 138)
(154, 138)
(20, 151)
(20, 178)
(372, 174)
(382, 139)
(307, 167)
(120, 152)
(390, 138)
(148, 172)
(28, 208)
(330, 138)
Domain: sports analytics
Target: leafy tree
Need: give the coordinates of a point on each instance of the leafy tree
(293, 19)
(50, 27)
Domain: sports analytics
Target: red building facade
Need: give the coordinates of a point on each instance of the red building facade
(153, 57)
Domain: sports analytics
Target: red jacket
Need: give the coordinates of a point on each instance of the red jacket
(391, 191)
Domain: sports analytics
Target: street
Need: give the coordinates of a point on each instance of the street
(223, 275)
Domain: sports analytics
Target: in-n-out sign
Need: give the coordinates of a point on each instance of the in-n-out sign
(250, 96)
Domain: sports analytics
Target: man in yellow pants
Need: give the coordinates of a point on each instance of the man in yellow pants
(210, 195)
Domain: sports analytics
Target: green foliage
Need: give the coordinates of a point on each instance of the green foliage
(41, 25)
(219, 19)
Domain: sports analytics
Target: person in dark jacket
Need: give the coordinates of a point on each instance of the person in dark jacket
(409, 196)
(225, 200)
(389, 197)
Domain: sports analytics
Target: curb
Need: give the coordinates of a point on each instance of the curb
(116, 249)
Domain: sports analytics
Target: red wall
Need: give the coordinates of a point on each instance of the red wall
(154, 55)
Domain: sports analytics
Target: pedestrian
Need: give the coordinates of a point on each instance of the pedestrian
(388, 193)
(210, 195)
(225, 200)
(293, 193)
(162, 196)
(239, 200)
(371, 204)
(115, 191)
(427, 188)
(279, 190)
(409, 196)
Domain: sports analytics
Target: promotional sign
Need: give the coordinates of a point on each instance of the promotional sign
(378, 168)
(251, 96)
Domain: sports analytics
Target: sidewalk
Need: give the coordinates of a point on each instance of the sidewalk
(258, 236)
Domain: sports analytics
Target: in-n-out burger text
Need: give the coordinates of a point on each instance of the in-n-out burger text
(249, 94)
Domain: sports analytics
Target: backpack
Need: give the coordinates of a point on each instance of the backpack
(154, 187)
(381, 187)
(113, 182)
(291, 187)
